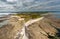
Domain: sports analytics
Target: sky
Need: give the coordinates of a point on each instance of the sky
(29, 5)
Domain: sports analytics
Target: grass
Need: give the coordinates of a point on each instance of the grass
(29, 16)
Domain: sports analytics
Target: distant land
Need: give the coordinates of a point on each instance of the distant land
(24, 11)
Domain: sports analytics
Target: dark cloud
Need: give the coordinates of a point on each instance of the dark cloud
(4, 0)
(25, 5)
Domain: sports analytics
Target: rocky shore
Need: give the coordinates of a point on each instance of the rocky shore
(9, 30)
(39, 28)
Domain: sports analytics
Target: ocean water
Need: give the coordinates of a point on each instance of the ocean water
(57, 14)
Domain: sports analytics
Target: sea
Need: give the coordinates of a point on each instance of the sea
(56, 14)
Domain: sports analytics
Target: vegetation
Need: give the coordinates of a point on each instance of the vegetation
(28, 16)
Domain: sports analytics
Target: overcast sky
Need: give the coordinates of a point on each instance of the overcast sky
(29, 5)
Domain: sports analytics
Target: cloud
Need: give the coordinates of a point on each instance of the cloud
(38, 4)
(47, 7)
(24, 5)
(11, 0)
(28, 0)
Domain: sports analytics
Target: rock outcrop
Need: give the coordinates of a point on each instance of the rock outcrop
(11, 29)
(43, 29)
